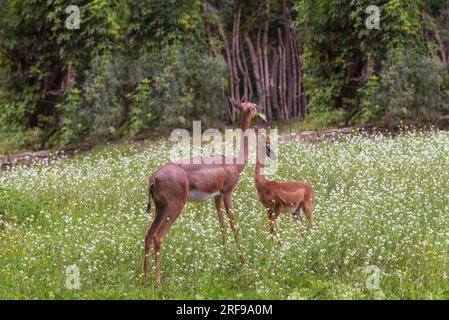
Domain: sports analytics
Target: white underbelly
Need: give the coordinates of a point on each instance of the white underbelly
(195, 195)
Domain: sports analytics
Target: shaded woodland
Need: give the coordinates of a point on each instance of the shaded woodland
(134, 67)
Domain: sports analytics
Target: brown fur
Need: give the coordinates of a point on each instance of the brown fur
(279, 197)
(169, 188)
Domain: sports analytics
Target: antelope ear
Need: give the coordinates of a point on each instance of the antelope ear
(243, 99)
(234, 103)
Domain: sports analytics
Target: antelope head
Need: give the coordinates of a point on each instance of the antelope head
(264, 141)
(248, 109)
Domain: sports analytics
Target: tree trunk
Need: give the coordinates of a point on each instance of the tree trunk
(255, 63)
(273, 64)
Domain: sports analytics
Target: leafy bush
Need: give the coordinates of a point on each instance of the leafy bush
(368, 75)
(412, 86)
(129, 96)
(72, 123)
(14, 111)
(140, 117)
(102, 97)
(186, 83)
(131, 67)
(36, 52)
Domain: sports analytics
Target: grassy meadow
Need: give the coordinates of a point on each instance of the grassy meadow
(381, 202)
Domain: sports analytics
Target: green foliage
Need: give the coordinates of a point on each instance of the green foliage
(162, 88)
(36, 50)
(139, 65)
(369, 110)
(140, 117)
(118, 46)
(72, 122)
(187, 84)
(346, 64)
(412, 87)
(310, 123)
(157, 74)
(102, 97)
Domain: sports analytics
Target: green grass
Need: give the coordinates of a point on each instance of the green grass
(380, 201)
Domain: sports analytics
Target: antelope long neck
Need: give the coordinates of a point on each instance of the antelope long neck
(242, 157)
(259, 177)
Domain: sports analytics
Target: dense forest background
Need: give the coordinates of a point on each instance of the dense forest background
(136, 66)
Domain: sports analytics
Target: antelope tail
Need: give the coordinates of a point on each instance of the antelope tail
(151, 184)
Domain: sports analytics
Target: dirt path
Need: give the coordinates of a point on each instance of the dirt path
(10, 160)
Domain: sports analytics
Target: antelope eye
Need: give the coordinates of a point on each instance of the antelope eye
(253, 110)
